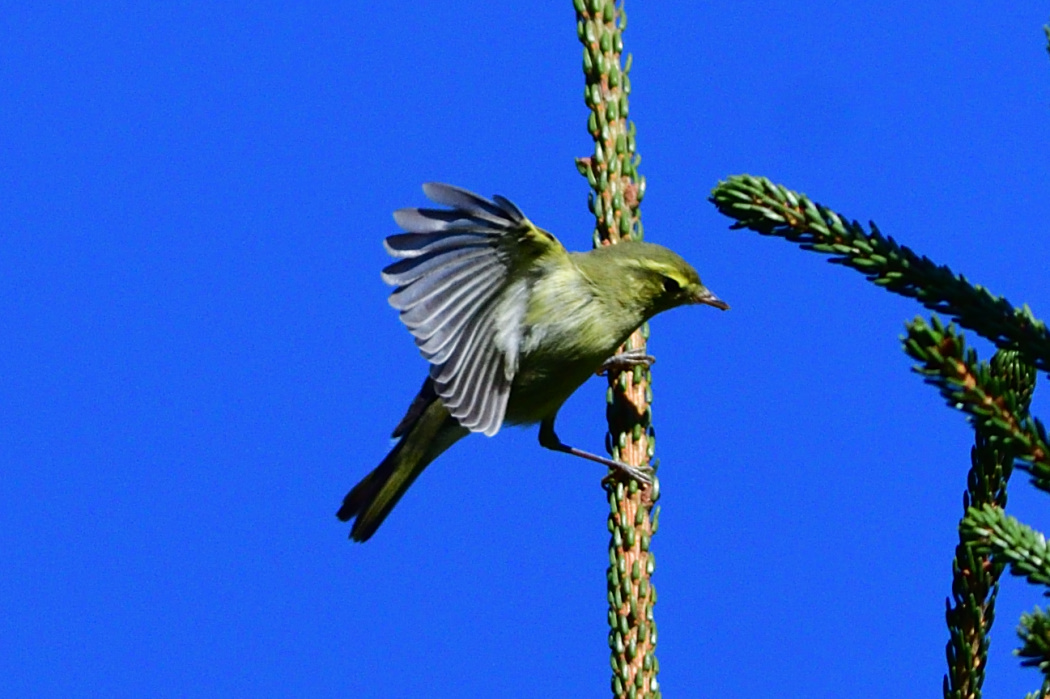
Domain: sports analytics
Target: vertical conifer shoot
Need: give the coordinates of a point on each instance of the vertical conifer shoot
(617, 190)
(975, 576)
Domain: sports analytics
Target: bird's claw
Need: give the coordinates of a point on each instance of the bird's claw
(642, 474)
(625, 361)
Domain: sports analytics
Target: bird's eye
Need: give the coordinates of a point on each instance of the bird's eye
(671, 286)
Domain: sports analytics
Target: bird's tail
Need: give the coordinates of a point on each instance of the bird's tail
(425, 432)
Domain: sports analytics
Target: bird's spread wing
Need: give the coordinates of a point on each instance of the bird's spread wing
(462, 290)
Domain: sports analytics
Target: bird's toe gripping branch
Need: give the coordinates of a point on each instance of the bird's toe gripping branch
(625, 361)
(550, 440)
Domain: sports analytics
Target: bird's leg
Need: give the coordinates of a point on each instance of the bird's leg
(550, 440)
(626, 360)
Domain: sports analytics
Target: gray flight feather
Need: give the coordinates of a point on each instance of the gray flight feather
(509, 206)
(458, 198)
(416, 244)
(453, 267)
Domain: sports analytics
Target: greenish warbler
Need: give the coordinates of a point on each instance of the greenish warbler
(512, 324)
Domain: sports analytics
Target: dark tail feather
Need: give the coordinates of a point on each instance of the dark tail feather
(426, 432)
(358, 500)
(365, 491)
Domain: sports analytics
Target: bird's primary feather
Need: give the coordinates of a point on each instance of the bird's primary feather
(454, 269)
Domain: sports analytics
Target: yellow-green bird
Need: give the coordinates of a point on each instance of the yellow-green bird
(511, 323)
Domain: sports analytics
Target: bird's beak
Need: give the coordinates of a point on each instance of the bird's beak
(706, 297)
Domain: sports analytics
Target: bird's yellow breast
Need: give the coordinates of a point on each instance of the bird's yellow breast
(570, 328)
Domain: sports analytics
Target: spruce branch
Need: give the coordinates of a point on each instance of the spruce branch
(975, 576)
(1035, 645)
(616, 192)
(991, 531)
(974, 589)
(770, 209)
(946, 362)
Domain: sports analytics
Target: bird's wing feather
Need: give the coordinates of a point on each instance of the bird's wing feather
(453, 269)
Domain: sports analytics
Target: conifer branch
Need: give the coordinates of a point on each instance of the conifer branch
(769, 209)
(1035, 644)
(975, 576)
(992, 531)
(948, 364)
(616, 192)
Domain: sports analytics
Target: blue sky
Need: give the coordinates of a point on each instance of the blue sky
(199, 359)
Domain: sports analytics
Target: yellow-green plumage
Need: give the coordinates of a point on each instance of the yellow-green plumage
(512, 324)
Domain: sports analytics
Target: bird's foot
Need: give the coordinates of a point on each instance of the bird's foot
(550, 440)
(625, 361)
(642, 474)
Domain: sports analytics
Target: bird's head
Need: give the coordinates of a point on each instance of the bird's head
(654, 277)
